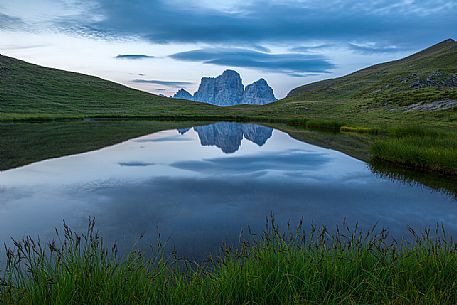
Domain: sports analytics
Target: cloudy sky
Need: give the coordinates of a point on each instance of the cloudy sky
(163, 45)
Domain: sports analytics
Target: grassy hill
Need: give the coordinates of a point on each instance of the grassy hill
(32, 90)
(372, 96)
(425, 76)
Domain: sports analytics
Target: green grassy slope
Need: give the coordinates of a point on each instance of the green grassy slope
(28, 89)
(425, 76)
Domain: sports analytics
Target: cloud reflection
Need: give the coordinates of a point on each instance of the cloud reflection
(135, 163)
(291, 160)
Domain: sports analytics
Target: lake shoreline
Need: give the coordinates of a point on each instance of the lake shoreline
(406, 152)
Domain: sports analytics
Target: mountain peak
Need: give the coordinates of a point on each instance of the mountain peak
(443, 44)
(444, 48)
(261, 81)
(258, 93)
(227, 89)
(447, 42)
(231, 73)
(183, 94)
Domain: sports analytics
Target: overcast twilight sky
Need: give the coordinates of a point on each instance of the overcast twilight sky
(160, 46)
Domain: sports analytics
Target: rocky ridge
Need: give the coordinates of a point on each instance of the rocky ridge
(433, 106)
(227, 89)
(258, 93)
(183, 95)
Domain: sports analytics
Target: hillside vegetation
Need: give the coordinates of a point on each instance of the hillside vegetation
(425, 76)
(29, 90)
(374, 96)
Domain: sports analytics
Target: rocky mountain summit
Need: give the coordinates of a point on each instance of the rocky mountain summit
(183, 95)
(227, 89)
(258, 93)
(224, 90)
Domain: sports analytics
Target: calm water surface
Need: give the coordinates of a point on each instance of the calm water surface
(200, 186)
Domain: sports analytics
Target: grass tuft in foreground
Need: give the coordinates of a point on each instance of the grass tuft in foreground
(315, 267)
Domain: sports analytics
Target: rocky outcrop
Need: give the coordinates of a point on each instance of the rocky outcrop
(206, 91)
(258, 93)
(227, 90)
(224, 90)
(436, 79)
(433, 106)
(183, 95)
(228, 136)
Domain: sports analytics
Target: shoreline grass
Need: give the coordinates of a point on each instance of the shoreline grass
(419, 148)
(292, 267)
(368, 130)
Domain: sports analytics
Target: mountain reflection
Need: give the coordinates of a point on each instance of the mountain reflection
(183, 130)
(228, 136)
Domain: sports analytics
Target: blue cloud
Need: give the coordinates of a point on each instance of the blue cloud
(8, 22)
(161, 82)
(136, 164)
(307, 49)
(133, 56)
(293, 64)
(257, 22)
(23, 46)
(370, 49)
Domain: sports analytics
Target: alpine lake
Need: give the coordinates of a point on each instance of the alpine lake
(196, 186)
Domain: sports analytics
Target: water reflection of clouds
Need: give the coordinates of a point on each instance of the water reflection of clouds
(177, 138)
(136, 163)
(11, 194)
(290, 160)
(206, 210)
(356, 178)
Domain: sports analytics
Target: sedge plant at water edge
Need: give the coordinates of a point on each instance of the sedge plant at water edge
(297, 266)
